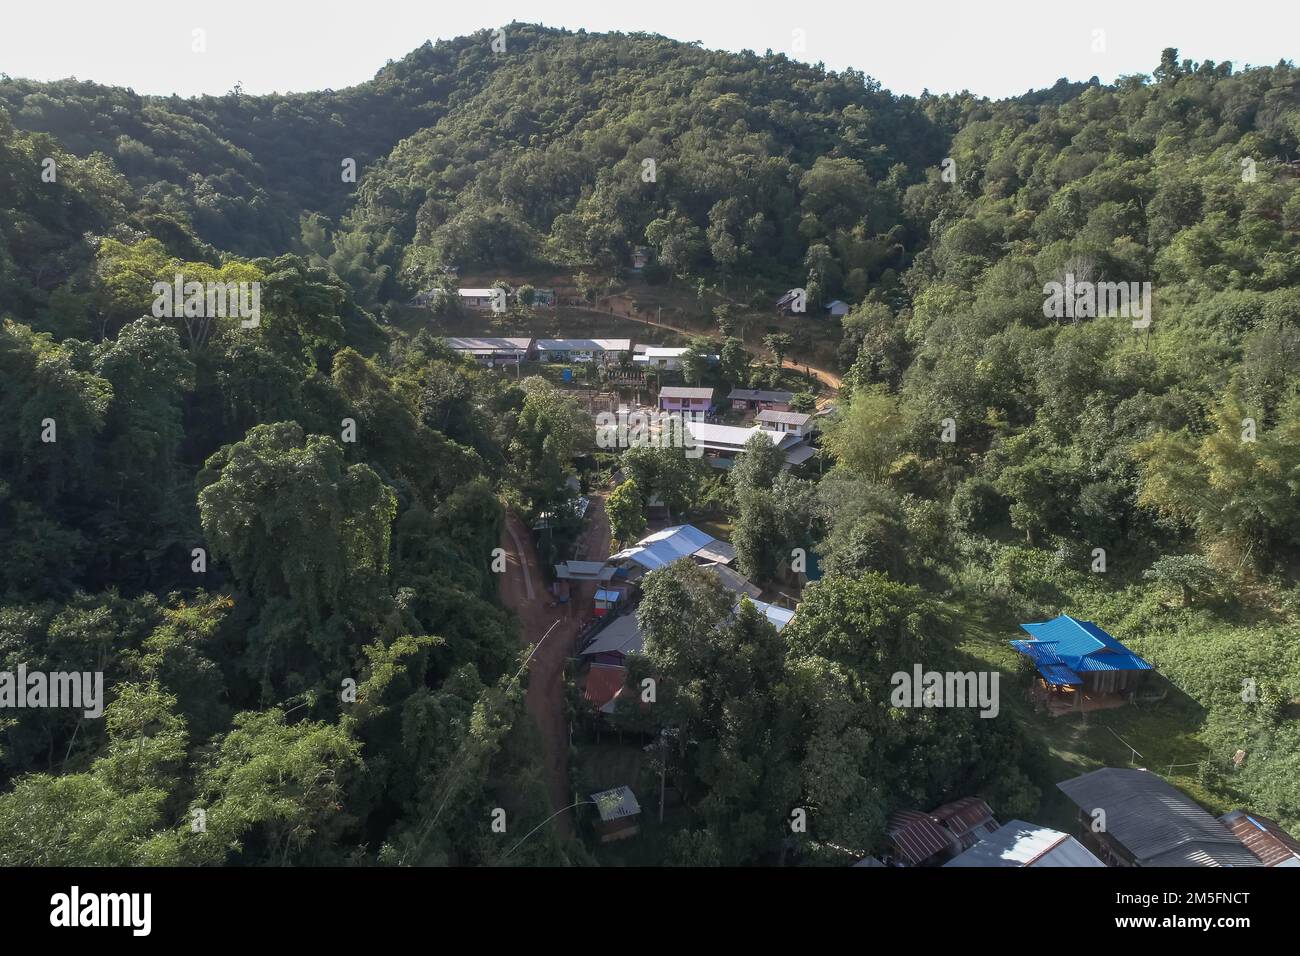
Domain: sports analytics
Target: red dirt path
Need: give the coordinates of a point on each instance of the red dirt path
(524, 591)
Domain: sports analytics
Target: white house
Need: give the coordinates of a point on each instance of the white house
(600, 351)
(789, 423)
(656, 356)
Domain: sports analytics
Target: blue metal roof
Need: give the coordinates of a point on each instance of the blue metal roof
(1078, 646)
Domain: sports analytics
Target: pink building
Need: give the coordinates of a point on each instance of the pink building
(678, 399)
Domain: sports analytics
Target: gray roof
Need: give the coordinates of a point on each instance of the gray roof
(784, 418)
(1026, 844)
(678, 391)
(617, 803)
(462, 344)
(620, 636)
(1155, 821)
(591, 345)
(734, 581)
(759, 395)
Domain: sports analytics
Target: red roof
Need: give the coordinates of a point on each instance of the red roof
(1262, 837)
(917, 836)
(604, 683)
(964, 814)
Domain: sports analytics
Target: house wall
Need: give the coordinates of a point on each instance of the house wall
(684, 404)
(1102, 845)
(1111, 682)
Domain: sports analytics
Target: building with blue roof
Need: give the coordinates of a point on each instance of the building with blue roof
(1079, 659)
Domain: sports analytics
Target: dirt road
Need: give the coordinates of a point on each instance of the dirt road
(523, 590)
(825, 376)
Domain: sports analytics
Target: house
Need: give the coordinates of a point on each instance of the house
(968, 820)
(662, 548)
(606, 601)
(603, 685)
(614, 642)
(837, 309)
(654, 356)
(790, 423)
(795, 300)
(1080, 666)
(676, 398)
(481, 300)
(1146, 821)
(1270, 844)
(916, 837)
(734, 581)
(584, 571)
(544, 298)
(931, 839)
(753, 399)
(493, 352)
(619, 813)
(599, 351)
(640, 258)
(723, 443)
(778, 617)
(1026, 844)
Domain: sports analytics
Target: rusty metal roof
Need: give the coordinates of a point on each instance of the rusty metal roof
(964, 815)
(1264, 838)
(917, 836)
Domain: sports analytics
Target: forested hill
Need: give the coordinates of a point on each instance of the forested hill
(472, 157)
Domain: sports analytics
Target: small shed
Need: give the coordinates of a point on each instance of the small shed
(606, 600)
(619, 814)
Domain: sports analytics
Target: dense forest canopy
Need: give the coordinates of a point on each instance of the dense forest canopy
(276, 542)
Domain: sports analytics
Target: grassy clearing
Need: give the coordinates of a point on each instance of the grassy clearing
(1164, 735)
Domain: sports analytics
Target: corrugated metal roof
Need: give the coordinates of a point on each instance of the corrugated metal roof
(799, 454)
(593, 345)
(621, 636)
(604, 683)
(1081, 646)
(664, 547)
(733, 581)
(465, 344)
(917, 836)
(584, 571)
(1155, 821)
(681, 391)
(617, 803)
(963, 815)
(730, 437)
(779, 616)
(1264, 838)
(784, 418)
(759, 395)
(1026, 844)
(720, 552)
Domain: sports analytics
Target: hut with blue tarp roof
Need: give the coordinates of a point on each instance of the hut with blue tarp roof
(1078, 660)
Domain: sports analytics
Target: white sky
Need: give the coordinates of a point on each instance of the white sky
(995, 47)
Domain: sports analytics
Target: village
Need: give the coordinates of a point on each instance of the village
(1122, 816)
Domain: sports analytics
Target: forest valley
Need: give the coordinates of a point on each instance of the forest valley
(331, 560)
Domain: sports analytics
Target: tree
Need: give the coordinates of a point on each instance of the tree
(721, 701)
(866, 436)
(550, 430)
(305, 536)
(626, 511)
(758, 465)
(696, 360)
(778, 343)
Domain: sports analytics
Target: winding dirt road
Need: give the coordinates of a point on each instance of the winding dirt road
(523, 590)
